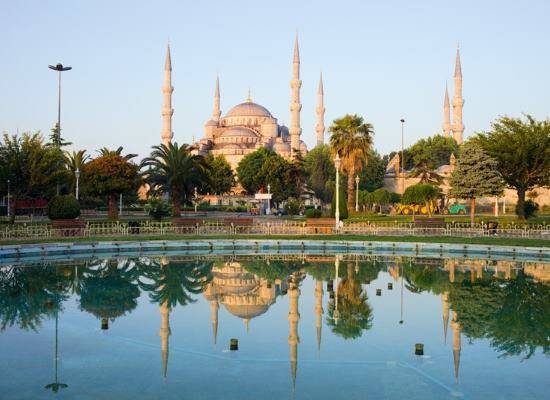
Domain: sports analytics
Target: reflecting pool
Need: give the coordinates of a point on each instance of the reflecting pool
(308, 327)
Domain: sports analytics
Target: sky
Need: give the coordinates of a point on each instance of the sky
(383, 60)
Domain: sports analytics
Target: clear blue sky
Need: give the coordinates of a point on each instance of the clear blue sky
(381, 59)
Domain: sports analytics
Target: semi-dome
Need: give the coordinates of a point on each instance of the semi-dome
(246, 311)
(248, 109)
(238, 131)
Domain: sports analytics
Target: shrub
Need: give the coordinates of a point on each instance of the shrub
(313, 213)
(292, 207)
(63, 207)
(395, 198)
(157, 208)
(531, 208)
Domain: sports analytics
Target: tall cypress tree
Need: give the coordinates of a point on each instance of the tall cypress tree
(475, 176)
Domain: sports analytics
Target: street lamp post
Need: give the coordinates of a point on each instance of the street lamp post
(59, 68)
(337, 211)
(402, 156)
(357, 193)
(195, 195)
(268, 211)
(77, 176)
(9, 205)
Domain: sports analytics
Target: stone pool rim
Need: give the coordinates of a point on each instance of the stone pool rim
(226, 246)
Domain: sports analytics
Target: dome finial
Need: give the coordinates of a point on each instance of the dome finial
(249, 98)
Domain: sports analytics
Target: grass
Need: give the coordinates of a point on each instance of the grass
(500, 241)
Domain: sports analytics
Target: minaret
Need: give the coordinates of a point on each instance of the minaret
(295, 106)
(319, 312)
(320, 110)
(164, 335)
(456, 344)
(214, 307)
(217, 111)
(167, 110)
(293, 318)
(445, 301)
(446, 114)
(458, 101)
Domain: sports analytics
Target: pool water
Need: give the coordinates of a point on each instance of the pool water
(308, 327)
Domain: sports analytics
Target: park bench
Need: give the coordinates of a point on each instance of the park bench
(186, 225)
(429, 225)
(238, 221)
(320, 225)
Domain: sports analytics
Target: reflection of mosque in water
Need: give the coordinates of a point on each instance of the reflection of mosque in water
(245, 295)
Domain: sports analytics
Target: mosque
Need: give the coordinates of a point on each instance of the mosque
(248, 126)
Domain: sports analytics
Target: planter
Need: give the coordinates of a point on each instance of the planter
(68, 227)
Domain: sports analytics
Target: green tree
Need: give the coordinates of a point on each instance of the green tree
(104, 151)
(352, 314)
(174, 170)
(420, 194)
(475, 176)
(351, 139)
(433, 151)
(250, 167)
(381, 197)
(265, 167)
(320, 172)
(522, 151)
(109, 176)
(220, 175)
(55, 137)
(32, 168)
(372, 175)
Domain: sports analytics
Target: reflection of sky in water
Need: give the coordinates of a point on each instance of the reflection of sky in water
(126, 361)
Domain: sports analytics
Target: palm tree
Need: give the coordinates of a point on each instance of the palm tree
(74, 161)
(351, 139)
(104, 151)
(173, 282)
(175, 170)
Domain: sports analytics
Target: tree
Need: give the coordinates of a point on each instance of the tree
(265, 167)
(104, 151)
(475, 176)
(381, 197)
(420, 194)
(32, 168)
(320, 172)
(220, 175)
(433, 151)
(109, 176)
(351, 139)
(522, 151)
(354, 312)
(372, 175)
(174, 170)
(55, 137)
(426, 174)
(74, 161)
(249, 171)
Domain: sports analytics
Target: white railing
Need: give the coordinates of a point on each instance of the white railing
(282, 227)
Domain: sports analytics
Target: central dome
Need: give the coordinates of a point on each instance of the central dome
(248, 109)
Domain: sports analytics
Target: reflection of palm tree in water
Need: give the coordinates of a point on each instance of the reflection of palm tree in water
(349, 313)
(110, 290)
(173, 283)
